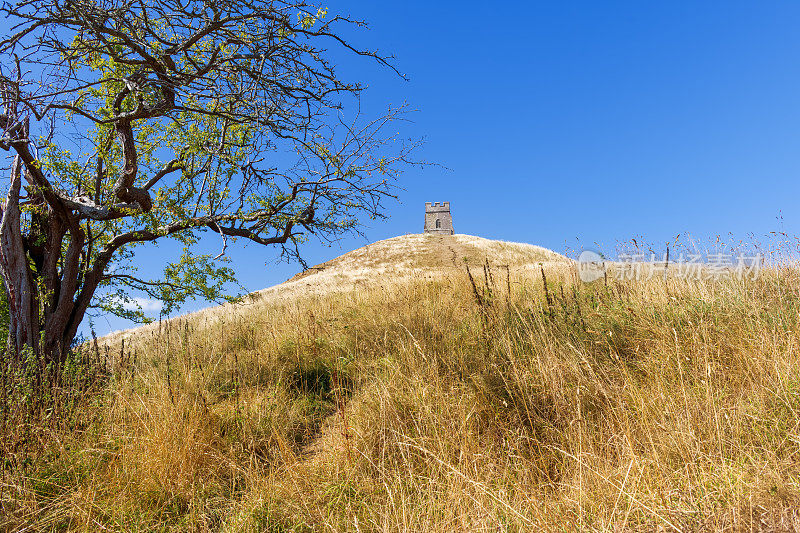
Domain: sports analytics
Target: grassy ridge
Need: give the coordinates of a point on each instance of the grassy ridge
(439, 405)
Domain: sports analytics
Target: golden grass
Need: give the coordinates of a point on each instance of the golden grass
(426, 405)
(396, 260)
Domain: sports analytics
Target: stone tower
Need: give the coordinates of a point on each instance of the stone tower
(438, 218)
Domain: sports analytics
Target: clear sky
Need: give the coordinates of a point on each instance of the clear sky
(566, 124)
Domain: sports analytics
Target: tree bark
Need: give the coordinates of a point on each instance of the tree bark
(22, 301)
(44, 313)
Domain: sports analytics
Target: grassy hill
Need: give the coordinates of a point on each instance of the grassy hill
(390, 261)
(392, 390)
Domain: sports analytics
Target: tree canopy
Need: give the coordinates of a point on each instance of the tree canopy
(130, 121)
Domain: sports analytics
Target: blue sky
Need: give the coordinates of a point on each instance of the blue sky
(569, 124)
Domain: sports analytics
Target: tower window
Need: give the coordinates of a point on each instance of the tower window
(438, 223)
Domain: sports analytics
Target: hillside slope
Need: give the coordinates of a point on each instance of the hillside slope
(409, 256)
(415, 255)
(387, 391)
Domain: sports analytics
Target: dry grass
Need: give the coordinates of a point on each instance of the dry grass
(427, 404)
(395, 260)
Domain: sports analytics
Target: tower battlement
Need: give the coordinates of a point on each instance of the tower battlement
(436, 206)
(438, 218)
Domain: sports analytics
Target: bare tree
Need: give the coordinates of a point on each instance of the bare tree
(185, 117)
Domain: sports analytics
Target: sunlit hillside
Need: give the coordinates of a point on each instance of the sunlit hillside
(391, 389)
(413, 256)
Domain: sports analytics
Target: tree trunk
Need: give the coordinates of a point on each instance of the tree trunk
(44, 315)
(22, 303)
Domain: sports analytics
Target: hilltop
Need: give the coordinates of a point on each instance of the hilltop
(423, 256)
(416, 255)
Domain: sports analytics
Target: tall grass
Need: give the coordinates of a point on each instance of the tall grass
(494, 401)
